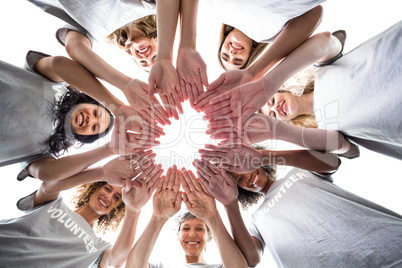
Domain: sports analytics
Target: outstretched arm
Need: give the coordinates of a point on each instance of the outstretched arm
(134, 199)
(126, 169)
(191, 68)
(223, 187)
(295, 33)
(200, 203)
(166, 203)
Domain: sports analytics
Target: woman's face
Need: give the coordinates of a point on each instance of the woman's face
(236, 50)
(105, 199)
(89, 119)
(143, 50)
(282, 105)
(193, 236)
(255, 181)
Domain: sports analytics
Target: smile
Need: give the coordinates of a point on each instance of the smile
(103, 203)
(254, 180)
(236, 46)
(282, 108)
(192, 243)
(143, 50)
(80, 119)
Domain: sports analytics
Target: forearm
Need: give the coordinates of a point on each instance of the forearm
(188, 23)
(139, 254)
(125, 240)
(322, 162)
(57, 169)
(294, 34)
(167, 16)
(230, 253)
(79, 77)
(313, 138)
(79, 49)
(315, 48)
(241, 235)
(51, 189)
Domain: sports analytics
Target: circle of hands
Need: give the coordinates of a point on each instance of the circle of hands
(229, 104)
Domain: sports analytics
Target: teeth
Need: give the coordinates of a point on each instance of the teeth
(142, 50)
(80, 119)
(192, 243)
(103, 203)
(236, 45)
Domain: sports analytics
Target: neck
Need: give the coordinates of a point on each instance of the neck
(88, 214)
(270, 181)
(195, 259)
(306, 103)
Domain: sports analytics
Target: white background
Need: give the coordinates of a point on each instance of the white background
(373, 176)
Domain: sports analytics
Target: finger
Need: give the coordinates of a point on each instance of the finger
(214, 108)
(183, 88)
(233, 137)
(227, 130)
(204, 75)
(220, 123)
(194, 90)
(190, 94)
(203, 179)
(145, 173)
(215, 84)
(178, 101)
(186, 201)
(184, 183)
(172, 177)
(152, 86)
(203, 187)
(214, 159)
(223, 113)
(166, 180)
(233, 169)
(202, 102)
(166, 104)
(228, 177)
(203, 168)
(173, 107)
(222, 97)
(153, 183)
(159, 186)
(244, 117)
(176, 185)
(190, 179)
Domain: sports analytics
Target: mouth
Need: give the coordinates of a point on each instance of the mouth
(80, 119)
(143, 50)
(192, 243)
(236, 45)
(103, 203)
(282, 108)
(254, 180)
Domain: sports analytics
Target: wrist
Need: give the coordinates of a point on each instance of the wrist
(130, 211)
(158, 218)
(232, 205)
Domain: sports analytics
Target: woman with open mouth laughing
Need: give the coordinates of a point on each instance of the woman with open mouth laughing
(195, 227)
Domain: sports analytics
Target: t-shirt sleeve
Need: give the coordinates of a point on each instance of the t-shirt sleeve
(252, 229)
(27, 203)
(98, 260)
(23, 168)
(32, 58)
(62, 32)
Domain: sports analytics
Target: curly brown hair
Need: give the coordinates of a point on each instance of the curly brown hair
(247, 198)
(256, 50)
(105, 223)
(122, 37)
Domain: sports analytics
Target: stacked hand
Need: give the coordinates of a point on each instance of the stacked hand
(219, 183)
(196, 196)
(150, 109)
(238, 104)
(167, 198)
(164, 79)
(225, 82)
(256, 129)
(135, 198)
(116, 171)
(237, 158)
(192, 71)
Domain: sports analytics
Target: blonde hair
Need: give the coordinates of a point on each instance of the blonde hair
(300, 84)
(122, 37)
(105, 223)
(256, 50)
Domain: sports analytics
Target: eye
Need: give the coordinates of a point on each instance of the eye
(116, 197)
(107, 189)
(185, 229)
(95, 112)
(200, 229)
(240, 180)
(154, 58)
(272, 114)
(93, 128)
(143, 63)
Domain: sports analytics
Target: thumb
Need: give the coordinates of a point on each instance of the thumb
(152, 86)
(215, 84)
(204, 76)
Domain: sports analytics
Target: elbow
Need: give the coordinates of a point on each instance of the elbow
(74, 47)
(57, 63)
(254, 262)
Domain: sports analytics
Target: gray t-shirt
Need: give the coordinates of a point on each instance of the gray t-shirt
(306, 221)
(360, 94)
(26, 107)
(261, 20)
(95, 18)
(185, 265)
(50, 235)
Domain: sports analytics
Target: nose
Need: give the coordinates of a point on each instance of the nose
(233, 51)
(191, 233)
